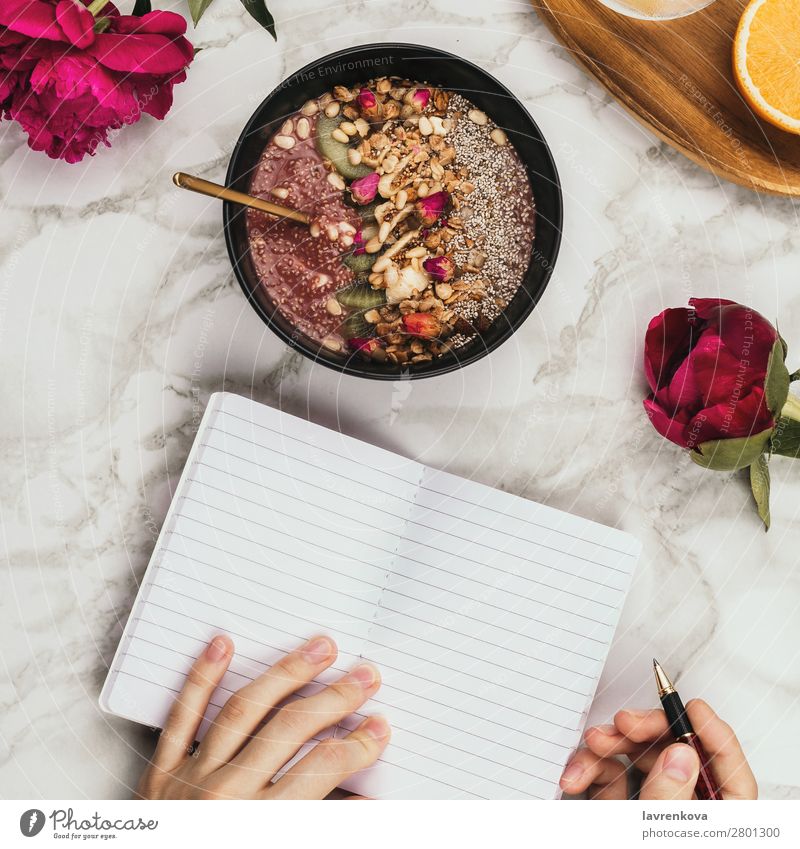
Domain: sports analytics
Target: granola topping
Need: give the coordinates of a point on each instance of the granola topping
(422, 221)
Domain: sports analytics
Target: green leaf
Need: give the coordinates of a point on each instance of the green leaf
(141, 7)
(776, 384)
(258, 10)
(759, 486)
(728, 455)
(197, 8)
(786, 438)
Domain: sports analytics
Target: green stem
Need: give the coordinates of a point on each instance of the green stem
(791, 409)
(97, 6)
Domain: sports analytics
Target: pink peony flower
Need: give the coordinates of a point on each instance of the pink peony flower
(429, 209)
(369, 105)
(364, 189)
(69, 79)
(442, 268)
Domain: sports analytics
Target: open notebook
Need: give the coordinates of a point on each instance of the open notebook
(489, 616)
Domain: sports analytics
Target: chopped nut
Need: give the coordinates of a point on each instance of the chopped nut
(343, 93)
(498, 137)
(362, 126)
(425, 126)
(335, 179)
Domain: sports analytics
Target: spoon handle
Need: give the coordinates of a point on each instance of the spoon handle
(205, 187)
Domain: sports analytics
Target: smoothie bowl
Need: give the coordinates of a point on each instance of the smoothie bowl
(434, 203)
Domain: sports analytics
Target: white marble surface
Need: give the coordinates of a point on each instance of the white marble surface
(119, 315)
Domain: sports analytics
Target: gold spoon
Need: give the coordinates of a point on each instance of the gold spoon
(214, 190)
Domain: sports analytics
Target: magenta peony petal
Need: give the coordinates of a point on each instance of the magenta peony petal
(743, 416)
(33, 18)
(76, 21)
(141, 54)
(669, 428)
(666, 343)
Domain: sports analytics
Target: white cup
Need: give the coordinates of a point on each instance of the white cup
(656, 10)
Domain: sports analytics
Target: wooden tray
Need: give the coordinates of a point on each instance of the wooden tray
(675, 77)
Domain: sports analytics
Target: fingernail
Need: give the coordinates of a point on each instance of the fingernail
(317, 649)
(572, 773)
(377, 727)
(608, 730)
(364, 675)
(636, 714)
(216, 650)
(679, 762)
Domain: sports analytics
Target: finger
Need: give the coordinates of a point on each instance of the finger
(180, 729)
(606, 741)
(331, 761)
(674, 774)
(585, 769)
(245, 710)
(728, 762)
(642, 726)
(297, 723)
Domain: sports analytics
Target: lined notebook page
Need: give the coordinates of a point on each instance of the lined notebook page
(279, 529)
(490, 636)
(489, 616)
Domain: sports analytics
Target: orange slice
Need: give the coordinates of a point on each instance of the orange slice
(766, 61)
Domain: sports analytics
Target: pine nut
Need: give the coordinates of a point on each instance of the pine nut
(383, 233)
(345, 227)
(419, 251)
(314, 230)
(346, 241)
(285, 142)
(348, 128)
(340, 136)
(332, 344)
(303, 128)
(288, 127)
(280, 192)
(498, 137)
(336, 181)
(333, 306)
(477, 117)
(401, 199)
(332, 232)
(381, 264)
(425, 126)
(422, 190)
(353, 156)
(310, 107)
(332, 109)
(373, 245)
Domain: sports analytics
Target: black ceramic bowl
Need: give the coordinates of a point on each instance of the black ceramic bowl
(422, 64)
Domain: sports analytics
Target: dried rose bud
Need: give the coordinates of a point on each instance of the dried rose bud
(367, 346)
(420, 98)
(440, 267)
(364, 189)
(369, 105)
(359, 244)
(422, 325)
(429, 209)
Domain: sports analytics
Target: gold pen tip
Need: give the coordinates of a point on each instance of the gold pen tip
(176, 178)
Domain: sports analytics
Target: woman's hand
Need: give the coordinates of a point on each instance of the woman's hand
(240, 754)
(669, 770)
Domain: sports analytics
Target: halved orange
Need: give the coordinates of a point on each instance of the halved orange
(766, 61)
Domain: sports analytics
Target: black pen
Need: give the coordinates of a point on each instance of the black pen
(683, 732)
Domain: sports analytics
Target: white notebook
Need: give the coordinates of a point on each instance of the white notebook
(489, 616)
